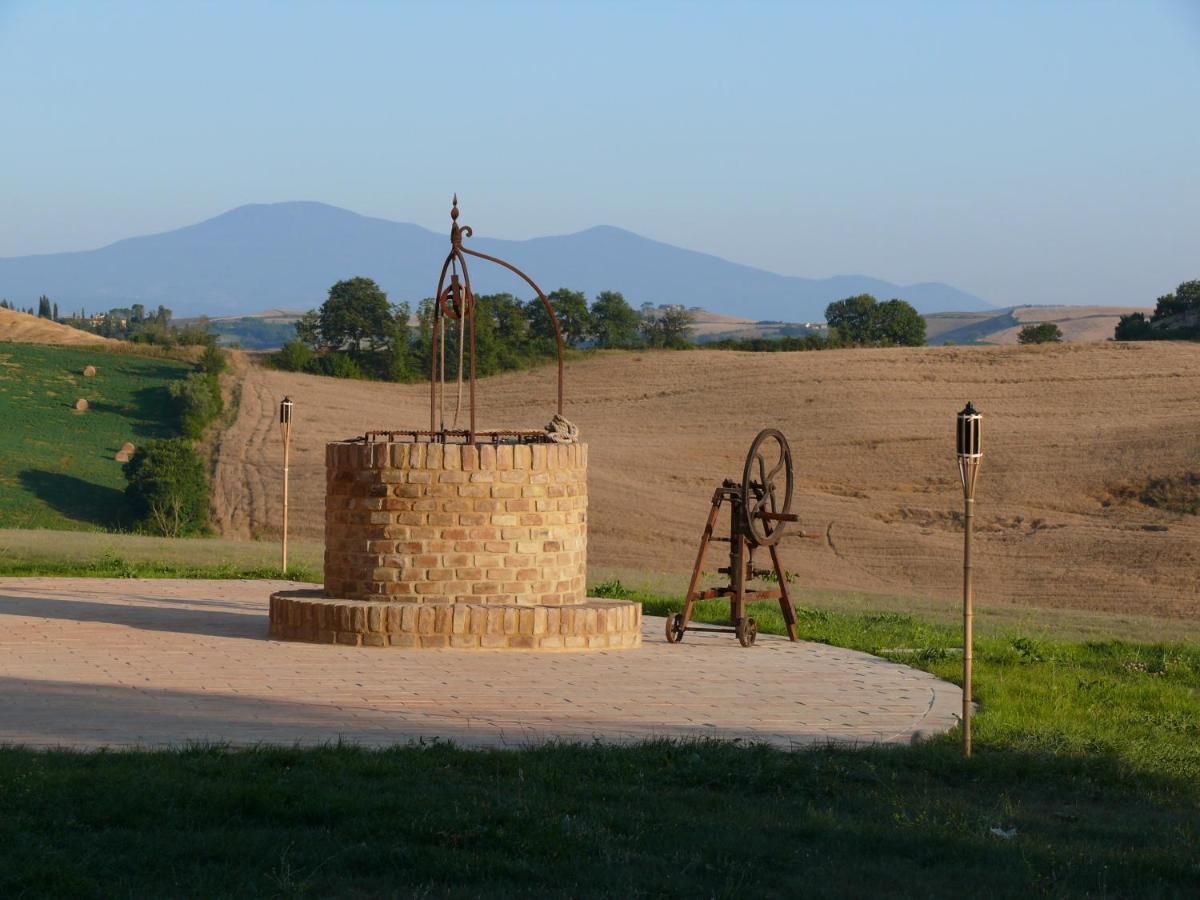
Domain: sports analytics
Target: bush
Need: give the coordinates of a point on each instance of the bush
(1041, 333)
(294, 356)
(198, 401)
(339, 365)
(167, 492)
(213, 361)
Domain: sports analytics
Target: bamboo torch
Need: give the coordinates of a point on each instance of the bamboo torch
(970, 453)
(285, 431)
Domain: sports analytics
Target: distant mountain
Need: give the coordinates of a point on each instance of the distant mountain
(288, 254)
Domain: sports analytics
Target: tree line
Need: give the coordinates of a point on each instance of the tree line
(358, 333)
(134, 323)
(1176, 317)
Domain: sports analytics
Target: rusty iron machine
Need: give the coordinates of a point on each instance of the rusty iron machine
(760, 509)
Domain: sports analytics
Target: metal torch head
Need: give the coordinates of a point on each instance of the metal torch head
(969, 445)
(285, 415)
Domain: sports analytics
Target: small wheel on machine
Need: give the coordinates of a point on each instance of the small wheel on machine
(747, 631)
(675, 628)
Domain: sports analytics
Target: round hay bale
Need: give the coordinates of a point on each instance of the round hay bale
(122, 455)
(127, 447)
(89, 371)
(80, 405)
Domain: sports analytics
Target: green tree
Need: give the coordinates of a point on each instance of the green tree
(1185, 299)
(571, 310)
(398, 358)
(512, 329)
(667, 327)
(614, 322)
(44, 311)
(897, 323)
(863, 320)
(851, 318)
(167, 492)
(1040, 333)
(55, 312)
(197, 402)
(356, 316)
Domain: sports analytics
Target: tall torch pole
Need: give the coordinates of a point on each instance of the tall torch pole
(285, 430)
(970, 453)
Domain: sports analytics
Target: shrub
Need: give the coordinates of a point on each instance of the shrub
(1041, 333)
(167, 492)
(197, 401)
(213, 361)
(294, 356)
(339, 365)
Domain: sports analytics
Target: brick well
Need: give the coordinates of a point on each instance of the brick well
(486, 544)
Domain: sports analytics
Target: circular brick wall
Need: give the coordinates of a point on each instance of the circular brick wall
(451, 523)
(308, 615)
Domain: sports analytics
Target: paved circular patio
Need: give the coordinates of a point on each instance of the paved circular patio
(119, 662)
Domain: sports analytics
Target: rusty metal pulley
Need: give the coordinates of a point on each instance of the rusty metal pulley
(767, 484)
(455, 300)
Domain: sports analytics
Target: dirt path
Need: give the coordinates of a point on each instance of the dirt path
(872, 436)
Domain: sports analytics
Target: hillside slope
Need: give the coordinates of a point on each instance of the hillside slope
(27, 329)
(57, 465)
(872, 434)
(1077, 323)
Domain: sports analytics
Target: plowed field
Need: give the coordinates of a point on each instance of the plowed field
(872, 435)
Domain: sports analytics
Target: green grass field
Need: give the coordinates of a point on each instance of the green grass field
(56, 465)
(1085, 782)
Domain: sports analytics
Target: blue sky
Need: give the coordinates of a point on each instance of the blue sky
(1026, 152)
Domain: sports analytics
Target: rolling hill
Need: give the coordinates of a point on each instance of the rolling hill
(1080, 324)
(27, 329)
(288, 254)
(872, 433)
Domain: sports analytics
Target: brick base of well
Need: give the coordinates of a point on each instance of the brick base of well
(472, 546)
(308, 615)
(409, 521)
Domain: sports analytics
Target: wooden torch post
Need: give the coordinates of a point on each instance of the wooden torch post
(970, 453)
(285, 430)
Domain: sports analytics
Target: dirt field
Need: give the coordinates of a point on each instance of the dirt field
(17, 326)
(872, 435)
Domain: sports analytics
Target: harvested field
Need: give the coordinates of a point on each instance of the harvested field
(872, 435)
(18, 326)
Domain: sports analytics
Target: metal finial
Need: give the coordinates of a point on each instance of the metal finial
(969, 410)
(454, 208)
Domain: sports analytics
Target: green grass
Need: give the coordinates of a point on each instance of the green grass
(1085, 782)
(659, 819)
(1136, 704)
(56, 465)
(113, 565)
(94, 555)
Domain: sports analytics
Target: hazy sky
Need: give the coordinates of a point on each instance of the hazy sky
(1027, 152)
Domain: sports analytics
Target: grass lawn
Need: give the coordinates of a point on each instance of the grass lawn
(56, 465)
(1085, 782)
(101, 555)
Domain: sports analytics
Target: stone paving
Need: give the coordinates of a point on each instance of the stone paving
(119, 662)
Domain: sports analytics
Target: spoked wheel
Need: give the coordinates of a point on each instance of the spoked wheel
(767, 483)
(675, 628)
(747, 631)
